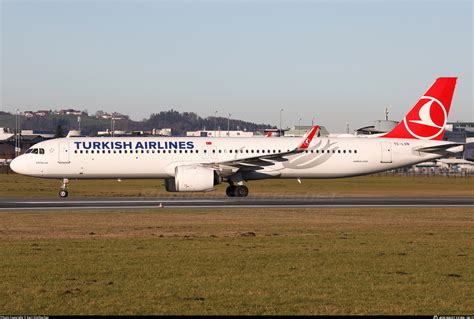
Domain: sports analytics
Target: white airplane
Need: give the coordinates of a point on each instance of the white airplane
(197, 164)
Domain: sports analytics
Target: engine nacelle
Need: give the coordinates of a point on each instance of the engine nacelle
(192, 178)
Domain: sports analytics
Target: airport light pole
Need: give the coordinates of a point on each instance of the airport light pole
(215, 123)
(112, 125)
(228, 126)
(281, 110)
(17, 132)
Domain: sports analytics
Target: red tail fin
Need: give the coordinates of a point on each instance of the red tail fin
(427, 119)
(308, 138)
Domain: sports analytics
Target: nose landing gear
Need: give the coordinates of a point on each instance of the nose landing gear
(64, 187)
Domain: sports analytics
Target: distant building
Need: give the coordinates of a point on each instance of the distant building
(42, 113)
(274, 132)
(220, 133)
(161, 132)
(461, 132)
(28, 114)
(70, 112)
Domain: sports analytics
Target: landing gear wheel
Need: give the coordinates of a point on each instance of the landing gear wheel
(230, 191)
(64, 187)
(241, 191)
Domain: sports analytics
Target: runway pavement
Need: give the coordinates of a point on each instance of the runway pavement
(160, 203)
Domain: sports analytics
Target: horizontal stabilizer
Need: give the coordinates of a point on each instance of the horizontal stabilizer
(450, 148)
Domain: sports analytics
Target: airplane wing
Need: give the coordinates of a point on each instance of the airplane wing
(263, 160)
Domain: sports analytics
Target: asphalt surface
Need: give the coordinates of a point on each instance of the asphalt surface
(159, 203)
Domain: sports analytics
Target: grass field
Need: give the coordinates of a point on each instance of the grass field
(263, 261)
(13, 185)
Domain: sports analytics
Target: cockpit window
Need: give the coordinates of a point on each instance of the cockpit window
(35, 151)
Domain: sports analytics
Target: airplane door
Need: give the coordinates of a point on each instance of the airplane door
(386, 152)
(63, 153)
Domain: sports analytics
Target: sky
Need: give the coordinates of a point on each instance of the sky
(327, 61)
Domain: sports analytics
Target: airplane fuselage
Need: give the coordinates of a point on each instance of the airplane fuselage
(157, 157)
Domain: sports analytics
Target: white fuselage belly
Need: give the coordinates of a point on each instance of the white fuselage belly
(90, 158)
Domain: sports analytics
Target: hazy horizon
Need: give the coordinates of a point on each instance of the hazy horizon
(331, 61)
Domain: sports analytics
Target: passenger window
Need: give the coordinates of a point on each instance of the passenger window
(339, 151)
(344, 151)
(355, 151)
(350, 151)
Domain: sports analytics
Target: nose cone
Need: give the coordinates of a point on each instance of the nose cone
(17, 165)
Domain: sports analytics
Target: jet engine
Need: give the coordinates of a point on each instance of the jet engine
(192, 178)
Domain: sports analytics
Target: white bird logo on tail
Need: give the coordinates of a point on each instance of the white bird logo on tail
(425, 117)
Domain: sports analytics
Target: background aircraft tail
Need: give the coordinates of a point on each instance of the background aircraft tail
(427, 119)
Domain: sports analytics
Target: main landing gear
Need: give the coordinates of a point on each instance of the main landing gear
(237, 191)
(64, 187)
